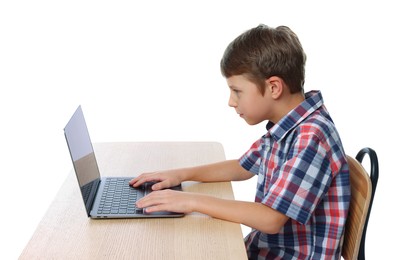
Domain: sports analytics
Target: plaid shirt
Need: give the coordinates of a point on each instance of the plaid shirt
(303, 173)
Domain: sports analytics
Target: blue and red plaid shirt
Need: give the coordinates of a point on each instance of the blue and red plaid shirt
(303, 173)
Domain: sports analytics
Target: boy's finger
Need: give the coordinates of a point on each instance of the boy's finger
(158, 186)
(137, 181)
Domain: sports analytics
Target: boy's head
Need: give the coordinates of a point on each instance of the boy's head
(263, 52)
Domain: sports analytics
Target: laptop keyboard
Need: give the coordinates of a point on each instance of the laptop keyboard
(119, 198)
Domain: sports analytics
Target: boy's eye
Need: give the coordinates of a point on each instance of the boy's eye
(237, 92)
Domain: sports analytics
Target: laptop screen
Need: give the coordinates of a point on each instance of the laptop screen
(83, 158)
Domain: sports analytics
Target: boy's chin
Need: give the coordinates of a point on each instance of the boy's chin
(252, 122)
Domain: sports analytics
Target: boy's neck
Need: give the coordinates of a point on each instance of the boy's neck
(288, 102)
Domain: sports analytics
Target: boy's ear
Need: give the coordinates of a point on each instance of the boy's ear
(275, 86)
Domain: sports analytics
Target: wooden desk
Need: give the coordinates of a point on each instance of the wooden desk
(66, 232)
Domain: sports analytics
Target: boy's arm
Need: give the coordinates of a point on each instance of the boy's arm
(229, 170)
(252, 214)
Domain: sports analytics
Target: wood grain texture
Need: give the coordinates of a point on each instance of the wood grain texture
(359, 204)
(66, 232)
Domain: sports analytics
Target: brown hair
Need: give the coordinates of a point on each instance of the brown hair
(262, 52)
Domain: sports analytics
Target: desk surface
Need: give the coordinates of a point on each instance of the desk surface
(66, 232)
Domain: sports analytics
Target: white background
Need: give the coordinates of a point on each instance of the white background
(149, 71)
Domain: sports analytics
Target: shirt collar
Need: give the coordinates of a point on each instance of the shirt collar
(313, 101)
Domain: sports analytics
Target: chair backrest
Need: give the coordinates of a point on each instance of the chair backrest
(362, 194)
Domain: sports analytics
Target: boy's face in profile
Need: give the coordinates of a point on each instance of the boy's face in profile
(248, 101)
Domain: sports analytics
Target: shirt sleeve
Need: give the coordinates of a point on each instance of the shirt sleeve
(300, 183)
(251, 160)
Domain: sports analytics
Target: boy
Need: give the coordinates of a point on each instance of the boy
(303, 190)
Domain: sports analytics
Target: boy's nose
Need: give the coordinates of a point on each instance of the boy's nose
(232, 102)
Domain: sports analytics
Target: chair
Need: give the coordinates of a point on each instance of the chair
(363, 189)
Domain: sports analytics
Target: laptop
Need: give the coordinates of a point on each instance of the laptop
(103, 197)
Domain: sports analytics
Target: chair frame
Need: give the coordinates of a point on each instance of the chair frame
(374, 174)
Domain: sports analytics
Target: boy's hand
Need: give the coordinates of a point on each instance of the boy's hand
(163, 179)
(168, 200)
